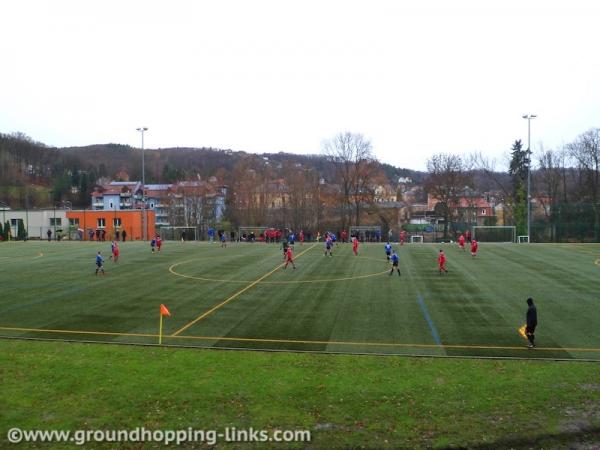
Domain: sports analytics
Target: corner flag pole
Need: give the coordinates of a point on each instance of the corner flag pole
(160, 330)
(163, 312)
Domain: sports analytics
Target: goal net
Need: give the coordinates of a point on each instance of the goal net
(495, 233)
(179, 233)
(255, 234)
(366, 233)
(416, 238)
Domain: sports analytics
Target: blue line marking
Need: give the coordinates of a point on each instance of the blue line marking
(434, 333)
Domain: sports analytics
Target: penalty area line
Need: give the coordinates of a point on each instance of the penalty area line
(234, 296)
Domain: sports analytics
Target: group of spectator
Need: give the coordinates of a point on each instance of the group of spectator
(100, 235)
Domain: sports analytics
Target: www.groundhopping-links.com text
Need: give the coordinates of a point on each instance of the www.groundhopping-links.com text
(141, 434)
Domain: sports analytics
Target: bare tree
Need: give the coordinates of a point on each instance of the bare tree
(550, 180)
(448, 176)
(253, 193)
(585, 150)
(352, 158)
(499, 178)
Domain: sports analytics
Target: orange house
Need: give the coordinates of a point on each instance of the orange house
(132, 221)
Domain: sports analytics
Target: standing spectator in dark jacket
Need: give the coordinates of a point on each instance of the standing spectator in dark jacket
(531, 321)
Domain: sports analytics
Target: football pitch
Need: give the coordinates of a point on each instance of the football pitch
(241, 297)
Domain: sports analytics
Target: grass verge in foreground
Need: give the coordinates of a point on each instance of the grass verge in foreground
(346, 401)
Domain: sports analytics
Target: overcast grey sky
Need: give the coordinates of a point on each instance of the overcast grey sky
(416, 78)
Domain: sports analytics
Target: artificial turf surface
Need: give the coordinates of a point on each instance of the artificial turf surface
(239, 297)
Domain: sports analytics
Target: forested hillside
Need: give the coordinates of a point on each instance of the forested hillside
(35, 175)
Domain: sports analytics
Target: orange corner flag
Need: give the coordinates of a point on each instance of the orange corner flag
(164, 311)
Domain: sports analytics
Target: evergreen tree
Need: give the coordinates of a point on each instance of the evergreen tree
(6, 230)
(519, 165)
(21, 233)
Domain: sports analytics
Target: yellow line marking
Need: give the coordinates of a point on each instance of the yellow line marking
(307, 342)
(318, 280)
(101, 333)
(22, 257)
(597, 262)
(234, 296)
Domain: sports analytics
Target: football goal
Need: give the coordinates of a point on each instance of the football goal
(416, 238)
(495, 233)
(179, 233)
(253, 234)
(367, 233)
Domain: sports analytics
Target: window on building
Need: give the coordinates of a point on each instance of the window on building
(74, 222)
(116, 222)
(101, 222)
(111, 205)
(483, 212)
(55, 221)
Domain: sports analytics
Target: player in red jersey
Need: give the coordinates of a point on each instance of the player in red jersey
(355, 245)
(301, 237)
(402, 237)
(461, 242)
(158, 243)
(442, 262)
(474, 247)
(114, 247)
(289, 258)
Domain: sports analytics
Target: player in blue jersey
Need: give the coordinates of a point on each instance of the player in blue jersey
(100, 263)
(388, 250)
(395, 263)
(328, 245)
(153, 244)
(223, 240)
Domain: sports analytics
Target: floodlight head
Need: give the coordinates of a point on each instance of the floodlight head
(533, 116)
(142, 129)
(525, 116)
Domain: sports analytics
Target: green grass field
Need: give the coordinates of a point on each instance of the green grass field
(346, 401)
(240, 297)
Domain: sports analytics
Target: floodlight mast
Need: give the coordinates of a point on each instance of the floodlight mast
(529, 117)
(145, 215)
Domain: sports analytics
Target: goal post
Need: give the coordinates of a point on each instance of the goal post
(366, 233)
(252, 233)
(416, 239)
(496, 233)
(179, 233)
